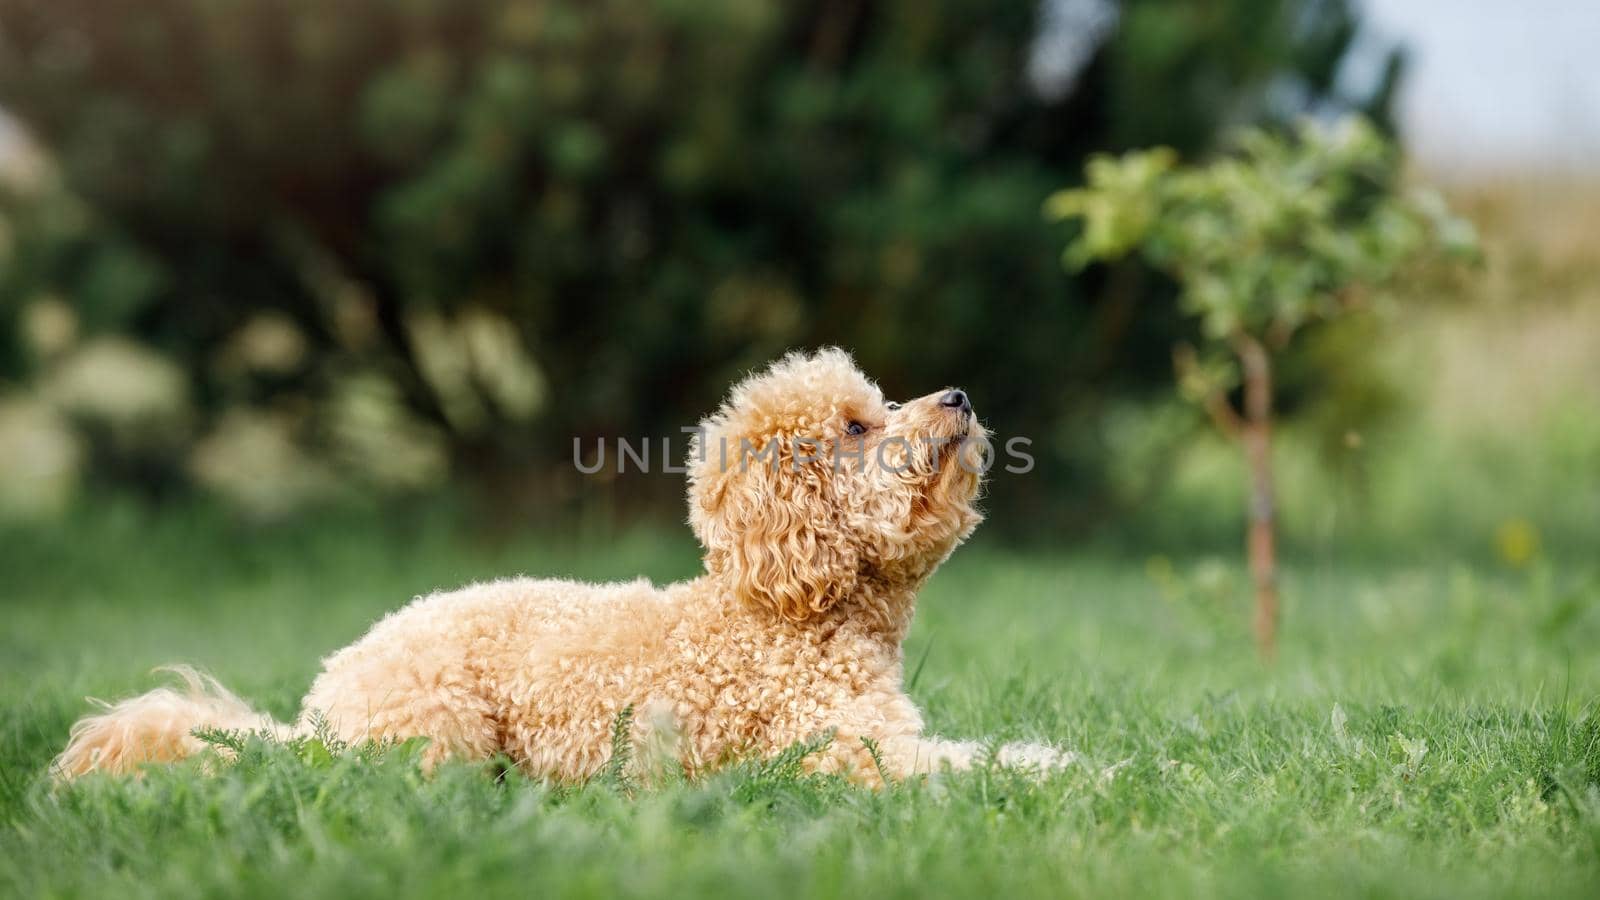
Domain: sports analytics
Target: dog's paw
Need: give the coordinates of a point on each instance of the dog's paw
(1040, 758)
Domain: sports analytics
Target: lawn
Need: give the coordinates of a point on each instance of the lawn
(1430, 730)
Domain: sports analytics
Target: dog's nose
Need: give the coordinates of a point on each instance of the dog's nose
(956, 399)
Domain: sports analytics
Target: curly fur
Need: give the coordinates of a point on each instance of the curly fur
(816, 543)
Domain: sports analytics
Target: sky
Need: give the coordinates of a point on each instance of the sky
(1497, 84)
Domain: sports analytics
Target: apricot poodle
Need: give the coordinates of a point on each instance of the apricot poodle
(822, 509)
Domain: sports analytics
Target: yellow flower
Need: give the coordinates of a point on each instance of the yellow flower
(1517, 541)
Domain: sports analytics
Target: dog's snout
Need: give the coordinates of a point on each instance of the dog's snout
(956, 399)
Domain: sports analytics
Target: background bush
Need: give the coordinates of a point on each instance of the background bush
(405, 240)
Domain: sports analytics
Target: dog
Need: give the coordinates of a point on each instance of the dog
(822, 510)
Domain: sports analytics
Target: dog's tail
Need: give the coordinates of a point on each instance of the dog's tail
(157, 727)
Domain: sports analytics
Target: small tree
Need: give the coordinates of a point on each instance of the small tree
(1286, 231)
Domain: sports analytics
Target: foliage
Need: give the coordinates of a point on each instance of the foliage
(513, 222)
(1432, 731)
(1276, 236)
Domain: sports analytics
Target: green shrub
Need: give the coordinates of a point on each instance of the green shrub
(634, 202)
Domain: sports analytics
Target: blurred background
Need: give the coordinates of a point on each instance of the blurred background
(280, 259)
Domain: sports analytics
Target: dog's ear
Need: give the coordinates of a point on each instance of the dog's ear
(773, 535)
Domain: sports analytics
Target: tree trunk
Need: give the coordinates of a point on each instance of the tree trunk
(1256, 437)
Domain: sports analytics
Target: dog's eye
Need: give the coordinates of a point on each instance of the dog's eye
(855, 428)
(892, 406)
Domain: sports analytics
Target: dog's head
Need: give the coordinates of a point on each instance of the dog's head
(807, 481)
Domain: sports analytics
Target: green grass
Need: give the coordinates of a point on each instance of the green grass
(1430, 730)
